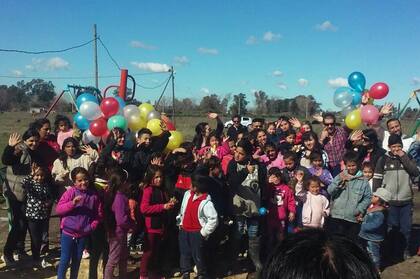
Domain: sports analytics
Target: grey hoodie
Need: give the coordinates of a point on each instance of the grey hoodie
(395, 174)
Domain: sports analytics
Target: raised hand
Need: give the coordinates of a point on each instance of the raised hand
(212, 115)
(77, 199)
(250, 168)
(14, 139)
(87, 149)
(357, 135)
(295, 122)
(386, 109)
(318, 117)
(163, 126)
(156, 161)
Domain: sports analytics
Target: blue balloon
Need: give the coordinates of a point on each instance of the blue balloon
(81, 122)
(263, 211)
(357, 81)
(357, 98)
(120, 101)
(84, 98)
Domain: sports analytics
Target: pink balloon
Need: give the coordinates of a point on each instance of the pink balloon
(98, 127)
(379, 90)
(110, 106)
(370, 114)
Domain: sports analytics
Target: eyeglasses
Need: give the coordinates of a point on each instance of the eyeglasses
(329, 124)
(236, 121)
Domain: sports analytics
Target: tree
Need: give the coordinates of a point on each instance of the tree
(239, 104)
(211, 103)
(261, 102)
(41, 92)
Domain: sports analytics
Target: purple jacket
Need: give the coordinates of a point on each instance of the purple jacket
(81, 219)
(122, 214)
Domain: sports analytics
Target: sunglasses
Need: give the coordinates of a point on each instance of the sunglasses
(329, 124)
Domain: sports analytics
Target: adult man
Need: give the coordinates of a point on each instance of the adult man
(333, 140)
(257, 123)
(236, 128)
(394, 128)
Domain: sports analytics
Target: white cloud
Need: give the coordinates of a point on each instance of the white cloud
(326, 26)
(56, 63)
(17, 73)
(277, 73)
(252, 40)
(211, 51)
(415, 81)
(51, 64)
(151, 66)
(270, 36)
(181, 60)
(337, 82)
(303, 82)
(282, 86)
(139, 44)
(205, 90)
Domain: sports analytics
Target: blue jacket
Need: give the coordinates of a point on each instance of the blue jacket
(374, 225)
(350, 198)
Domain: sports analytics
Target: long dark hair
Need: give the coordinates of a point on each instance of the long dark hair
(116, 182)
(311, 134)
(59, 118)
(37, 124)
(63, 156)
(200, 129)
(150, 174)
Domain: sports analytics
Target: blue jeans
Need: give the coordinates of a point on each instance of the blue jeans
(71, 249)
(399, 222)
(244, 225)
(191, 248)
(374, 250)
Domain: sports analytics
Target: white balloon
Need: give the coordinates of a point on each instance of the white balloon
(90, 110)
(87, 137)
(130, 110)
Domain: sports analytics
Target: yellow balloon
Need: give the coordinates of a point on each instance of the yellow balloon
(175, 140)
(135, 122)
(145, 108)
(353, 119)
(154, 126)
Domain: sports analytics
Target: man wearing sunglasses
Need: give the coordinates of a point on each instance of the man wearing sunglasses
(236, 128)
(333, 139)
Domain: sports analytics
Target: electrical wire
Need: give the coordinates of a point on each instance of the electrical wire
(46, 51)
(76, 77)
(109, 54)
(154, 87)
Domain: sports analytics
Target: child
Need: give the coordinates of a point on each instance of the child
(62, 129)
(282, 207)
(227, 158)
(215, 148)
(272, 136)
(373, 228)
(154, 205)
(350, 197)
(288, 142)
(197, 220)
(315, 207)
(318, 169)
(117, 223)
(368, 170)
(80, 211)
(291, 166)
(38, 201)
(272, 156)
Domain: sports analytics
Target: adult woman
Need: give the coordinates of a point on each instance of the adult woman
(310, 144)
(366, 143)
(203, 129)
(71, 156)
(48, 145)
(19, 156)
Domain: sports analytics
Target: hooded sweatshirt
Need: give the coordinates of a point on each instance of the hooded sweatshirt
(395, 174)
(81, 219)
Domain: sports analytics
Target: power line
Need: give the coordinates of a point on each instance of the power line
(77, 77)
(154, 87)
(46, 51)
(109, 54)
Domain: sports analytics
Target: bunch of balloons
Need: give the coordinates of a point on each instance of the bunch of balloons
(349, 99)
(97, 120)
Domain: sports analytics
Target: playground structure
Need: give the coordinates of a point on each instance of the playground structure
(400, 112)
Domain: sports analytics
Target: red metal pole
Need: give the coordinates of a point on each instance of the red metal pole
(123, 84)
(54, 104)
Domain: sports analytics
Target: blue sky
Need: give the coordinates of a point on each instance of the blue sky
(282, 47)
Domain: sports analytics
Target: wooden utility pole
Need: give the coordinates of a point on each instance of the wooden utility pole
(95, 55)
(173, 93)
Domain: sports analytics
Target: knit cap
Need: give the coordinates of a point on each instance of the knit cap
(394, 139)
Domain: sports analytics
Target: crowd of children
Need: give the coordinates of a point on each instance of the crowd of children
(234, 193)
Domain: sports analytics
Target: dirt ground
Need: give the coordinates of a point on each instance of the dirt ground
(409, 269)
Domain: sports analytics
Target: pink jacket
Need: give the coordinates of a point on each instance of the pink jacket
(81, 219)
(278, 162)
(314, 210)
(282, 202)
(220, 151)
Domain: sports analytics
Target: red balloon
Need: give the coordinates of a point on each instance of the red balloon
(110, 106)
(379, 90)
(98, 127)
(168, 123)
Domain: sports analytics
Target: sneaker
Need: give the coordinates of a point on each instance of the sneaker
(45, 264)
(85, 254)
(9, 261)
(195, 269)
